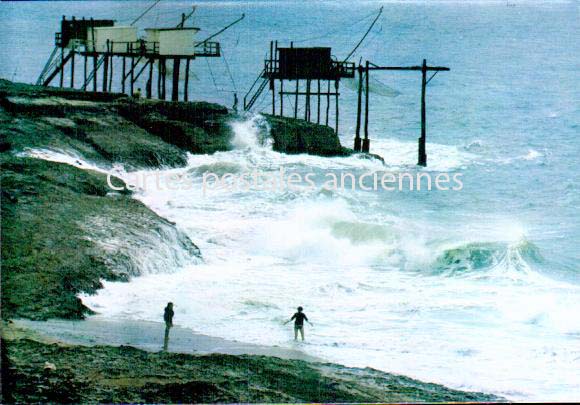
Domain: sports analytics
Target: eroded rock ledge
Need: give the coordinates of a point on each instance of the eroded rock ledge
(140, 132)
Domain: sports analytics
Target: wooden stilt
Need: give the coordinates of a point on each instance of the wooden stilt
(164, 79)
(85, 71)
(327, 103)
(423, 139)
(105, 72)
(148, 88)
(366, 141)
(132, 75)
(357, 141)
(72, 70)
(111, 69)
(94, 50)
(95, 71)
(186, 84)
(175, 80)
(123, 77)
(61, 67)
(336, 82)
(106, 68)
(296, 99)
(318, 104)
(281, 98)
(159, 68)
(273, 89)
(307, 104)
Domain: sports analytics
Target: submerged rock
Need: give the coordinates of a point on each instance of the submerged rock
(297, 136)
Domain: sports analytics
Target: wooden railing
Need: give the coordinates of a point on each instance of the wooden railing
(141, 47)
(208, 49)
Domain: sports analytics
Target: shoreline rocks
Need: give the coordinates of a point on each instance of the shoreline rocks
(106, 374)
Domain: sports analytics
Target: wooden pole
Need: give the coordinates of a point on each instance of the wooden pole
(307, 103)
(186, 84)
(422, 140)
(175, 80)
(281, 98)
(296, 100)
(164, 79)
(94, 50)
(111, 67)
(273, 89)
(61, 66)
(366, 141)
(95, 71)
(105, 71)
(159, 68)
(336, 82)
(85, 72)
(106, 68)
(132, 75)
(72, 70)
(148, 89)
(123, 77)
(318, 104)
(327, 103)
(357, 141)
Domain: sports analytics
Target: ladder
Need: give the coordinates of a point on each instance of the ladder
(54, 66)
(50, 65)
(249, 104)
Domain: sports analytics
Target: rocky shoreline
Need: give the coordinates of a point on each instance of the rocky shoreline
(64, 231)
(47, 371)
(57, 218)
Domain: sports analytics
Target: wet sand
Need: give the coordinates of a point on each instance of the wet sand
(149, 336)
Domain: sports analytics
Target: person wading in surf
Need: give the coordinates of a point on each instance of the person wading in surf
(168, 318)
(299, 318)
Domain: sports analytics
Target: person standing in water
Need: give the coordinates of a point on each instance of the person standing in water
(235, 107)
(299, 318)
(168, 318)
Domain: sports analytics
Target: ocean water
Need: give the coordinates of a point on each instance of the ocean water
(477, 289)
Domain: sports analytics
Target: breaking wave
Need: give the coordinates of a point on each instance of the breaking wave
(479, 258)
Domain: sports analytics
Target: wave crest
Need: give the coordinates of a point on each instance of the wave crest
(484, 257)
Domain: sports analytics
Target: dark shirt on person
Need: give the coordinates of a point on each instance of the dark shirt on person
(299, 318)
(168, 316)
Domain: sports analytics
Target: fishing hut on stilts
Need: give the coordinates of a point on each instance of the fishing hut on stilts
(313, 67)
(103, 43)
(316, 65)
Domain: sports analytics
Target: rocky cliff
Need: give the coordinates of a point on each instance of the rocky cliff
(58, 220)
